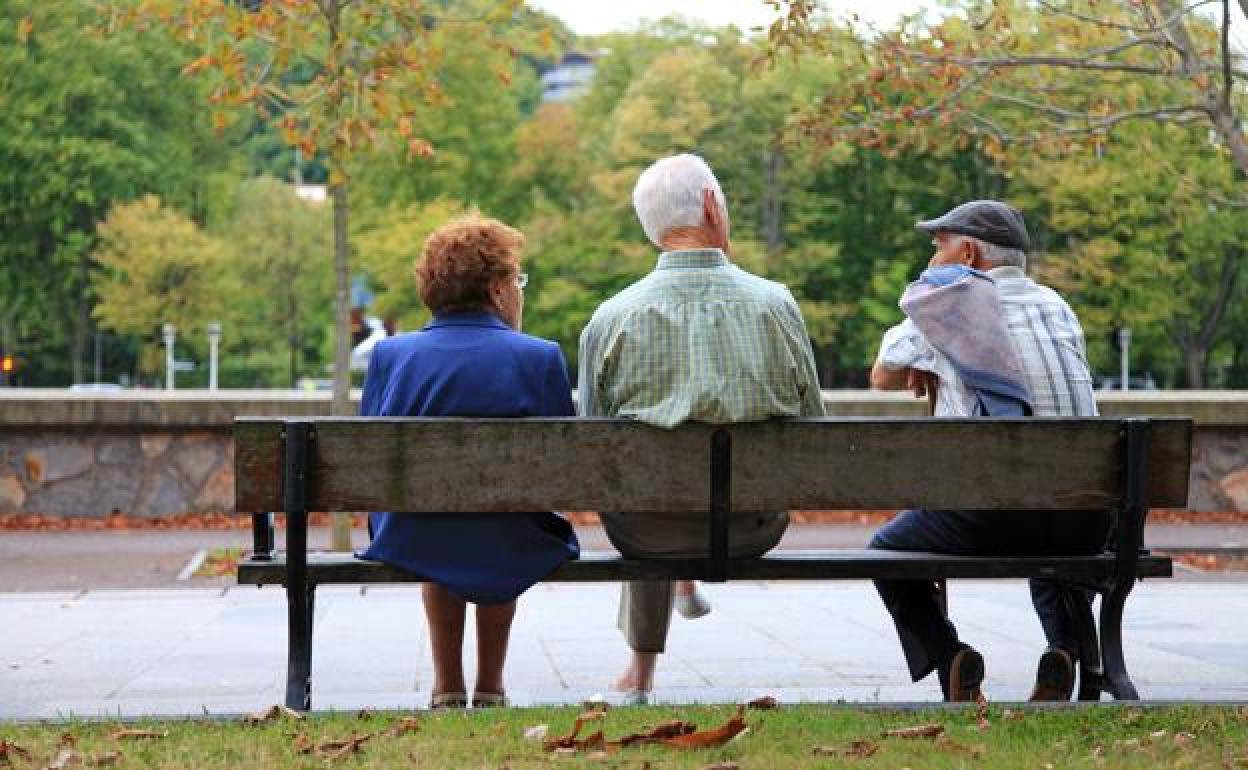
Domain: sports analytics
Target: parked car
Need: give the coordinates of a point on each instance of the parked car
(1142, 382)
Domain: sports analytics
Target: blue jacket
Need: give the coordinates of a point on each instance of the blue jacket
(470, 365)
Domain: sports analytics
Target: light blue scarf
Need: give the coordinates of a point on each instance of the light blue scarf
(958, 311)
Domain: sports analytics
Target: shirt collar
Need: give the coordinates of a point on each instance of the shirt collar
(692, 258)
(473, 318)
(1008, 274)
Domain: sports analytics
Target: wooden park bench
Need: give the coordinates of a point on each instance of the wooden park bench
(299, 465)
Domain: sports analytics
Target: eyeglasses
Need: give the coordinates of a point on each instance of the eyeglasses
(522, 280)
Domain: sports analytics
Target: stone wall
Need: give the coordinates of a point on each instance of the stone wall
(149, 453)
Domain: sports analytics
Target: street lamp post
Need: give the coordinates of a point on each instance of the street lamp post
(214, 340)
(170, 335)
(1124, 360)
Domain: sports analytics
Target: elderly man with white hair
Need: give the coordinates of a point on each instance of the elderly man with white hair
(697, 339)
(998, 344)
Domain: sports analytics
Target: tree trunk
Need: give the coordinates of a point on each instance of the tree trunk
(1195, 358)
(773, 224)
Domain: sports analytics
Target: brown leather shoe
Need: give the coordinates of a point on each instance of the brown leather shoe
(1055, 676)
(966, 674)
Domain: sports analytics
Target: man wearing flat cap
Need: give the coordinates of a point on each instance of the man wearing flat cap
(995, 343)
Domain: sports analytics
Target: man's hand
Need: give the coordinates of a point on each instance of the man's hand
(919, 382)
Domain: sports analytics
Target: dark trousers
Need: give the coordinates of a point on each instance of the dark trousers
(927, 637)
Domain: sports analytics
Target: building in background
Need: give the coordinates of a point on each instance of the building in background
(570, 78)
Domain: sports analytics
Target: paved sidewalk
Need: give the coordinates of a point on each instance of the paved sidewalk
(222, 650)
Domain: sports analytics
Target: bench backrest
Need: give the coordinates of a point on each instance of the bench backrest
(579, 464)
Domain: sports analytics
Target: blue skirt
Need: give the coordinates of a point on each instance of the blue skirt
(483, 558)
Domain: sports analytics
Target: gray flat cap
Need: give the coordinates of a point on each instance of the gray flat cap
(991, 221)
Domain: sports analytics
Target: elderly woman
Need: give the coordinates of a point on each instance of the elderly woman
(470, 361)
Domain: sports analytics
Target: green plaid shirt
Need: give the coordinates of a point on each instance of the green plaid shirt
(698, 339)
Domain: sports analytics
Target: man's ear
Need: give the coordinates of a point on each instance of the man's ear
(710, 207)
(970, 252)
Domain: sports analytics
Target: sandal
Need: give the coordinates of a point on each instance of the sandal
(489, 700)
(443, 701)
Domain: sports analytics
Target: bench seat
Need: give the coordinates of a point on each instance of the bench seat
(848, 564)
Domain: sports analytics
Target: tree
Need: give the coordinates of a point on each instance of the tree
(279, 251)
(374, 69)
(87, 122)
(1018, 78)
(158, 267)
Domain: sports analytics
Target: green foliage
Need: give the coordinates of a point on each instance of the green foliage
(827, 159)
(281, 293)
(158, 267)
(85, 122)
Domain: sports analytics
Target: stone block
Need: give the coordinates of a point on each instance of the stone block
(12, 494)
(155, 444)
(116, 488)
(1235, 487)
(161, 494)
(70, 497)
(197, 455)
(119, 450)
(217, 494)
(61, 460)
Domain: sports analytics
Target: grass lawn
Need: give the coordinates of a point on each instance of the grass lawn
(807, 736)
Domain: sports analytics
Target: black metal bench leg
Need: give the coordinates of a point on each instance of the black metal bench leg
(301, 614)
(299, 590)
(1117, 681)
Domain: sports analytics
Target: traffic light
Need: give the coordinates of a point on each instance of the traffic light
(8, 367)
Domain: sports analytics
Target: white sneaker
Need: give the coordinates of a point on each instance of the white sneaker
(694, 605)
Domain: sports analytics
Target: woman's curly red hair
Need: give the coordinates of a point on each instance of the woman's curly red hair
(462, 258)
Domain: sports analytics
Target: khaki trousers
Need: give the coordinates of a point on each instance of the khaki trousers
(646, 605)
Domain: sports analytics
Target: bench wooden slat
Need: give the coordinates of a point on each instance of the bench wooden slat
(482, 465)
(599, 566)
(1026, 463)
(812, 464)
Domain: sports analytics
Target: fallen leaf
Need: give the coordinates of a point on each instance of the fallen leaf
(137, 735)
(8, 750)
(765, 703)
(571, 741)
(338, 749)
(403, 727)
(658, 734)
(107, 759)
(302, 744)
(709, 738)
(66, 758)
(858, 749)
(536, 732)
(919, 731)
(271, 713)
(945, 743)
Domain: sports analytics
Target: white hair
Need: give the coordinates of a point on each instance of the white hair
(999, 256)
(669, 195)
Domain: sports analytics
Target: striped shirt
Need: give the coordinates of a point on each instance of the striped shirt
(1048, 339)
(698, 339)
